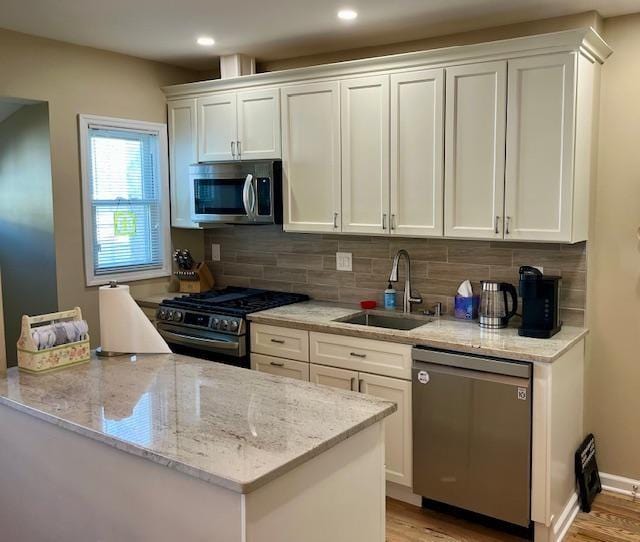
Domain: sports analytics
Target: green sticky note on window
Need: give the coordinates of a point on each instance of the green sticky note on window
(124, 223)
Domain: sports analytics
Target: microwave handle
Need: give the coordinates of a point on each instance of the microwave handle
(249, 196)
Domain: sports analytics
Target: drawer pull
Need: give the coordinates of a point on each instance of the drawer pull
(276, 363)
(277, 341)
(356, 355)
(360, 383)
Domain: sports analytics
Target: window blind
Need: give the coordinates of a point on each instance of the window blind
(126, 206)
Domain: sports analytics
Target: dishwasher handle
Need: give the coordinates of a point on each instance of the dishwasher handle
(473, 363)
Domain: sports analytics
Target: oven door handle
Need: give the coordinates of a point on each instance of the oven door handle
(199, 341)
(249, 196)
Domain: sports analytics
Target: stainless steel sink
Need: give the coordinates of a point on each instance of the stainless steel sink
(385, 320)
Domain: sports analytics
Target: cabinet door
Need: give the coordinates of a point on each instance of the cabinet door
(398, 437)
(417, 155)
(365, 154)
(335, 378)
(311, 157)
(280, 367)
(182, 153)
(217, 127)
(259, 124)
(475, 141)
(540, 140)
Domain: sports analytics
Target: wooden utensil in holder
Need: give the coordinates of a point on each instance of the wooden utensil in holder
(32, 360)
(198, 279)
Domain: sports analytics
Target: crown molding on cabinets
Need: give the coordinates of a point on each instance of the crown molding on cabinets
(586, 40)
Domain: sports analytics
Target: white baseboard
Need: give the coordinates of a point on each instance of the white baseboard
(403, 493)
(619, 484)
(562, 525)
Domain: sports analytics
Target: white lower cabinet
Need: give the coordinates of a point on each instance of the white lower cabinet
(346, 363)
(280, 367)
(398, 430)
(335, 378)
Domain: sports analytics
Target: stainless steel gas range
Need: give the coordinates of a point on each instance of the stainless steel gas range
(213, 325)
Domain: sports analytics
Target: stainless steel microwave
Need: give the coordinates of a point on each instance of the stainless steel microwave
(236, 192)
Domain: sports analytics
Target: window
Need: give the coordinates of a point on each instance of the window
(125, 199)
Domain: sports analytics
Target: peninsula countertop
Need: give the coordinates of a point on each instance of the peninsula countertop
(228, 426)
(444, 333)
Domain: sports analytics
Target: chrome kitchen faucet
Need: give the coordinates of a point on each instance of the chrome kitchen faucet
(408, 297)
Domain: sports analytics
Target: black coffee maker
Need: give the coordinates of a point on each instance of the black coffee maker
(540, 304)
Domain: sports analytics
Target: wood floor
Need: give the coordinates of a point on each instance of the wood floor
(408, 523)
(614, 518)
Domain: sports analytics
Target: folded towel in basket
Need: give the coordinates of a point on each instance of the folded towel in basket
(61, 333)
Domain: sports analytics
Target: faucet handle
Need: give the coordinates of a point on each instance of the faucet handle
(415, 297)
(435, 311)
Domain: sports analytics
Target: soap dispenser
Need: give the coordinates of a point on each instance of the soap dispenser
(390, 298)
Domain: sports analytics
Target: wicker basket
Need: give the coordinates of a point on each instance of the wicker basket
(32, 360)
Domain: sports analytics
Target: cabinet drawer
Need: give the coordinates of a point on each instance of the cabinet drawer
(378, 357)
(282, 342)
(280, 367)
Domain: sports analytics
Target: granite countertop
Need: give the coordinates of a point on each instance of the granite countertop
(443, 333)
(228, 426)
(152, 301)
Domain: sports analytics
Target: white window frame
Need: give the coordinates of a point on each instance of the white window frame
(85, 121)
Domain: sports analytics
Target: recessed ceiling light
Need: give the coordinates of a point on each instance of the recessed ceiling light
(347, 14)
(206, 41)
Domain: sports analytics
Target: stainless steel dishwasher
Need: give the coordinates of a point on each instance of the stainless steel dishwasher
(472, 433)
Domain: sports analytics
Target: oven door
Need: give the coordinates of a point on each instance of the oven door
(230, 193)
(210, 342)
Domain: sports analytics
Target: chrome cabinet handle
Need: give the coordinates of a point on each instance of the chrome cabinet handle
(393, 221)
(384, 221)
(353, 383)
(507, 231)
(360, 382)
(239, 147)
(497, 229)
(357, 355)
(335, 220)
(233, 149)
(276, 363)
(277, 341)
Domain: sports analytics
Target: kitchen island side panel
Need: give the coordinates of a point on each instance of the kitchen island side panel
(58, 485)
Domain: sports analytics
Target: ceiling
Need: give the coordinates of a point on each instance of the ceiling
(166, 30)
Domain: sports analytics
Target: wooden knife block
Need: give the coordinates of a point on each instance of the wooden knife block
(199, 279)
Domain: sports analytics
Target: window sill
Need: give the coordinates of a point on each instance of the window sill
(101, 280)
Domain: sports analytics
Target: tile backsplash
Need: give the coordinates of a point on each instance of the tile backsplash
(266, 257)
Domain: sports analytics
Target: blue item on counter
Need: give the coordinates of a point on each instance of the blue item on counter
(466, 308)
(390, 298)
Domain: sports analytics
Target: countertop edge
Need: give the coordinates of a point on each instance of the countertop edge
(339, 329)
(236, 486)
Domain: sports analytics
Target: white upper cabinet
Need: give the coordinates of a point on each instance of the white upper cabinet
(311, 157)
(259, 124)
(365, 154)
(475, 147)
(540, 148)
(417, 153)
(217, 127)
(490, 141)
(182, 153)
(239, 126)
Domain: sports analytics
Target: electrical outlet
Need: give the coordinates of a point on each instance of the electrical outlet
(343, 261)
(215, 252)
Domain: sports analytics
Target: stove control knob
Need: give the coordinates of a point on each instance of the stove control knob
(233, 325)
(162, 314)
(170, 316)
(215, 323)
(177, 316)
(224, 324)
